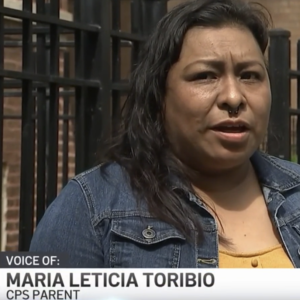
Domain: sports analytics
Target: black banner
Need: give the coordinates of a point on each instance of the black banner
(33, 260)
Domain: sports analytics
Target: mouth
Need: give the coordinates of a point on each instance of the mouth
(231, 128)
(232, 132)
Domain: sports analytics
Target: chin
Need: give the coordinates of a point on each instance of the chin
(231, 159)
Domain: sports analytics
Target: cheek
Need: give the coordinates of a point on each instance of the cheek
(262, 108)
(187, 103)
(261, 111)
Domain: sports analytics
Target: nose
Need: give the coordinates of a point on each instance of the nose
(231, 96)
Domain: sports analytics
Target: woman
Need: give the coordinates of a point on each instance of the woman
(184, 185)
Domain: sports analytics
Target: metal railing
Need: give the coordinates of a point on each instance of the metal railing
(82, 88)
(284, 131)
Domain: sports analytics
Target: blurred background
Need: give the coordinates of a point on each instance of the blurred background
(64, 67)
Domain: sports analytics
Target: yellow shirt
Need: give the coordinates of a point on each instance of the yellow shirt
(275, 257)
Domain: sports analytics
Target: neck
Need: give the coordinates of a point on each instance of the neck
(225, 186)
(223, 181)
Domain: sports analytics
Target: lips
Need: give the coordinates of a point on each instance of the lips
(231, 128)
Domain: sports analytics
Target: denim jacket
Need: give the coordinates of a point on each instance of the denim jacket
(96, 220)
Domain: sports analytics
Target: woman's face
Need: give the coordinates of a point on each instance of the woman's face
(219, 69)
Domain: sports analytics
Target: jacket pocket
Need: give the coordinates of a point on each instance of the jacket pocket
(138, 242)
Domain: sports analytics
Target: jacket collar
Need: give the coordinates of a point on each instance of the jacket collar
(275, 173)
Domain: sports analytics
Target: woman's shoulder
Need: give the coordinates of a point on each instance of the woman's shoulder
(103, 188)
(103, 177)
(287, 166)
(276, 173)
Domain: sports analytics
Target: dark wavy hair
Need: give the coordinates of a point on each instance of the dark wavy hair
(141, 146)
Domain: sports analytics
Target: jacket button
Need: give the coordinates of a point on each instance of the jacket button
(254, 263)
(148, 233)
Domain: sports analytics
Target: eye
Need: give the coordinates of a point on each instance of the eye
(252, 76)
(204, 76)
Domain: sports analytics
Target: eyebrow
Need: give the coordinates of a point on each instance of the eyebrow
(219, 64)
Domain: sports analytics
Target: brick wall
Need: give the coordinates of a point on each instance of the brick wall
(11, 149)
(12, 142)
